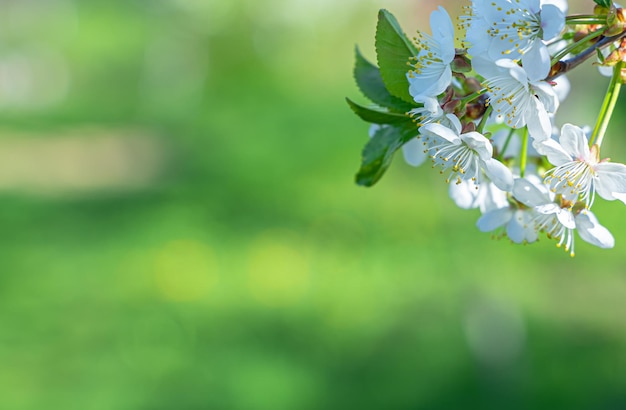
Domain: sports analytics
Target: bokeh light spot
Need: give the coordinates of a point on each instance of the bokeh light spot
(278, 271)
(186, 270)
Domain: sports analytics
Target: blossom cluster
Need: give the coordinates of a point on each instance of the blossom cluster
(478, 99)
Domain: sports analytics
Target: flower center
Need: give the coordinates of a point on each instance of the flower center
(573, 179)
(460, 159)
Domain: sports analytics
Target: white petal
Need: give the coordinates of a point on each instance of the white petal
(611, 182)
(562, 87)
(479, 143)
(552, 21)
(566, 218)
(547, 95)
(528, 194)
(553, 150)
(443, 31)
(591, 231)
(442, 83)
(534, 6)
(536, 61)
(520, 228)
(491, 197)
(413, 152)
(605, 71)
(548, 209)
(440, 131)
(517, 72)
(621, 197)
(494, 219)
(464, 194)
(431, 104)
(374, 129)
(441, 24)
(499, 173)
(561, 4)
(539, 125)
(455, 123)
(574, 142)
(485, 67)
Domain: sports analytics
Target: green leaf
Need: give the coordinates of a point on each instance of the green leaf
(393, 50)
(378, 152)
(371, 84)
(601, 57)
(377, 116)
(604, 3)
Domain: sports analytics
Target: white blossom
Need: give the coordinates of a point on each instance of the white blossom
(519, 95)
(578, 171)
(512, 28)
(431, 73)
(516, 221)
(559, 220)
(486, 198)
(465, 156)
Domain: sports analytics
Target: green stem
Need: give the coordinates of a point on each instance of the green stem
(524, 153)
(472, 97)
(506, 143)
(557, 57)
(608, 105)
(585, 19)
(483, 121)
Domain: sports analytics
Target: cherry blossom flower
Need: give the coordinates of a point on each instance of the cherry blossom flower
(578, 171)
(512, 219)
(466, 155)
(486, 198)
(559, 220)
(512, 28)
(518, 95)
(431, 73)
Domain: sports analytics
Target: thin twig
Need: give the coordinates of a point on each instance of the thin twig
(563, 66)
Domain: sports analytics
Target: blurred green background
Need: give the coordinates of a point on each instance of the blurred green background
(179, 228)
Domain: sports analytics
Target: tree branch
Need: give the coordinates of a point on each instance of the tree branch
(563, 66)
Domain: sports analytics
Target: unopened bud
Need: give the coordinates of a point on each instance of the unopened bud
(476, 109)
(556, 69)
(615, 25)
(613, 58)
(472, 85)
(461, 64)
(451, 106)
(599, 10)
(469, 127)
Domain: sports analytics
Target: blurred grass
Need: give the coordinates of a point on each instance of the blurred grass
(254, 274)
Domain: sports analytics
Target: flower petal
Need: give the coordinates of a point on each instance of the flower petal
(439, 131)
(528, 194)
(574, 142)
(443, 31)
(536, 61)
(591, 231)
(479, 143)
(611, 181)
(494, 219)
(539, 125)
(552, 21)
(520, 228)
(413, 152)
(566, 218)
(499, 174)
(553, 150)
(465, 194)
